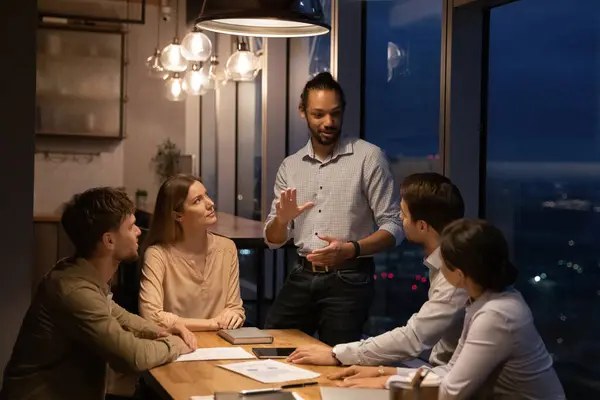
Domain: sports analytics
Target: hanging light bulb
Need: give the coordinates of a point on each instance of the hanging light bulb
(171, 58)
(242, 65)
(195, 80)
(217, 76)
(155, 68)
(174, 88)
(196, 46)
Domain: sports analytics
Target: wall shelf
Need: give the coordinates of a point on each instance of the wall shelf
(80, 82)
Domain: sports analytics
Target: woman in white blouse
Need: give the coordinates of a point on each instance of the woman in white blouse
(500, 353)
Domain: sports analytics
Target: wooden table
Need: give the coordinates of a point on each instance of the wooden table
(246, 233)
(181, 380)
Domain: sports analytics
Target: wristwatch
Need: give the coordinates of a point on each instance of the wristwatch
(356, 248)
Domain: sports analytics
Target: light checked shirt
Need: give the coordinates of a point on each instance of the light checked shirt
(353, 190)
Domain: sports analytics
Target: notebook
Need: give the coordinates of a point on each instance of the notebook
(246, 336)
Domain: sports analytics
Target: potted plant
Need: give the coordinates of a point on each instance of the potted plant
(141, 198)
(166, 160)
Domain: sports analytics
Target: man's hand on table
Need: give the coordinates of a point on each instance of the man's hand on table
(315, 354)
(184, 333)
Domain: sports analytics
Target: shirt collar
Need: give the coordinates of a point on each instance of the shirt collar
(434, 261)
(484, 298)
(343, 146)
(89, 272)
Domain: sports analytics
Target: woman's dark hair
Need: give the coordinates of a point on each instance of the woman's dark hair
(322, 81)
(480, 251)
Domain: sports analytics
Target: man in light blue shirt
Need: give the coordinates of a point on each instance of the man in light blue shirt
(328, 198)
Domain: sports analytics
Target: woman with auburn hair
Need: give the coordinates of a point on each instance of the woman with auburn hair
(190, 275)
(500, 354)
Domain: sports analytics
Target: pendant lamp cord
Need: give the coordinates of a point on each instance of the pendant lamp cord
(157, 27)
(177, 18)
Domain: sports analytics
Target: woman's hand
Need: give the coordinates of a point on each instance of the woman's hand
(360, 372)
(370, 383)
(229, 319)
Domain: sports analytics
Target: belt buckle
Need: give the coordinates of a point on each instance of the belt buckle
(319, 271)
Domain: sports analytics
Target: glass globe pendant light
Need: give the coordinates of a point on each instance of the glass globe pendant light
(217, 76)
(155, 68)
(242, 66)
(196, 46)
(153, 64)
(196, 80)
(172, 58)
(174, 87)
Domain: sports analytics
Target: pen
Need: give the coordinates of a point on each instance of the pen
(279, 389)
(260, 391)
(297, 385)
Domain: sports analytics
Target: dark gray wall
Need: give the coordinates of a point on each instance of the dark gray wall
(17, 121)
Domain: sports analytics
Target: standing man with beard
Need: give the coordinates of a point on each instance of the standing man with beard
(328, 198)
(73, 329)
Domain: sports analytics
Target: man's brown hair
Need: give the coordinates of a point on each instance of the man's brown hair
(89, 215)
(432, 198)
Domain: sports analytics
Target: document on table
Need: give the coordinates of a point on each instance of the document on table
(216, 353)
(270, 371)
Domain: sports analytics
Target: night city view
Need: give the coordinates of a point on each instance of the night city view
(542, 182)
(542, 185)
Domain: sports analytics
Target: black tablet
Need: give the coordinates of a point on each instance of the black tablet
(273, 352)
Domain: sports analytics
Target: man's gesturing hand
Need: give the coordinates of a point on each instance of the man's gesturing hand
(287, 206)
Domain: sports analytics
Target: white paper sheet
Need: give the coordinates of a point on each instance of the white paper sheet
(270, 371)
(296, 396)
(216, 353)
(339, 393)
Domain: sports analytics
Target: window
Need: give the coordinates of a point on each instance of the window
(249, 150)
(543, 171)
(401, 115)
(307, 57)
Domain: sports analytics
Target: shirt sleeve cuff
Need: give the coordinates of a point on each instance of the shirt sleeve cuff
(272, 245)
(401, 377)
(396, 231)
(347, 353)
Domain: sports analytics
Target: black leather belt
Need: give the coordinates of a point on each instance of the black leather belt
(365, 263)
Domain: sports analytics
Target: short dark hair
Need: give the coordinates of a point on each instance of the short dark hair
(89, 215)
(480, 251)
(322, 81)
(432, 198)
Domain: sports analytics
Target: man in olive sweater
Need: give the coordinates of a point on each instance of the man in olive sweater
(73, 329)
